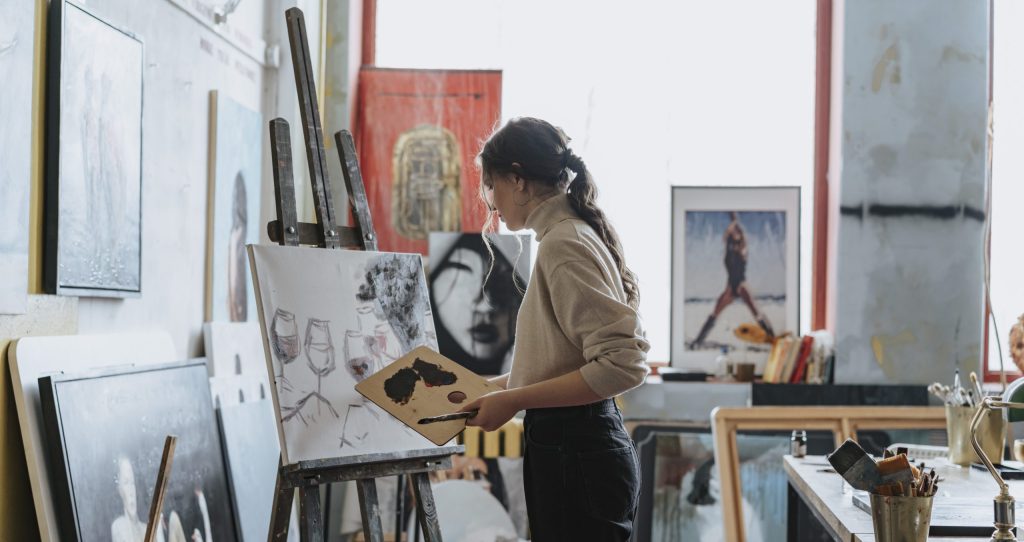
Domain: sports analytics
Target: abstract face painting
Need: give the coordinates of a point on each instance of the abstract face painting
(332, 318)
(476, 301)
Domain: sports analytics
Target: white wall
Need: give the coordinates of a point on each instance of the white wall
(908, 289)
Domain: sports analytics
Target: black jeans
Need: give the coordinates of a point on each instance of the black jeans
(581, 472)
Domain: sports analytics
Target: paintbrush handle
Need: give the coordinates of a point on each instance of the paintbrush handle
(448, 417)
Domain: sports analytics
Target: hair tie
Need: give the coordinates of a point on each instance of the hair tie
(570, 160)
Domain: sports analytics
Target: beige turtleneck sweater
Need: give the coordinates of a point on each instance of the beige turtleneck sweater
(575, 314)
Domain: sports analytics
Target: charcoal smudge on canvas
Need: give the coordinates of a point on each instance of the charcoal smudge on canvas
(396, 283)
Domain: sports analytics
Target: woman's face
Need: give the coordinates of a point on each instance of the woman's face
(478, 327)
(500, 192)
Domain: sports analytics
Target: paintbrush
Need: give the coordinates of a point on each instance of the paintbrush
(855, 466)
(896, 469)
(448, 417)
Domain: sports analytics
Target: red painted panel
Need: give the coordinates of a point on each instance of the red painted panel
(417, 133)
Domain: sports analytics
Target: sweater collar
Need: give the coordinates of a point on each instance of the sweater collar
(550, 212)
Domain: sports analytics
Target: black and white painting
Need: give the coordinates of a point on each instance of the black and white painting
(735, 273)
(17, 30)
(331, 318)
(94, 156)
(681, 497)
(234, 200)
(106, 432)
(476, 298)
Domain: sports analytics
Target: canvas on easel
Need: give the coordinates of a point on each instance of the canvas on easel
(332, 318)
(421, 384)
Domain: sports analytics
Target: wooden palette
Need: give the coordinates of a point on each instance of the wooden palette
(424, 383)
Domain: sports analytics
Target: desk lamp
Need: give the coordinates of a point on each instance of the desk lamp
(1003, 509)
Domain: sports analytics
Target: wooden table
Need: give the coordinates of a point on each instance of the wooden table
(830, 499)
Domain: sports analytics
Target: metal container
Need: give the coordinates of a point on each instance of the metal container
(901, 519)
(991, 435)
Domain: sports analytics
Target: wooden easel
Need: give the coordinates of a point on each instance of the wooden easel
(307, 476)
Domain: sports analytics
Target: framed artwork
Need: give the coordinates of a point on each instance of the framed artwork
(233, 207)
(476, 304)
(17, 39)
(735, 272)
(680, 497)
(32, 358)
(418, 133)
(330, 319)
(94, 156)
(104, 486)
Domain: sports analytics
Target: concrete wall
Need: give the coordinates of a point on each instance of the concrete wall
(910, 136)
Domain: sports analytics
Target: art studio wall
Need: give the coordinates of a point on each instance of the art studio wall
(185, 56)
(909, 149)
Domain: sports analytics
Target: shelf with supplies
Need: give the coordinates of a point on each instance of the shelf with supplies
(807, 359)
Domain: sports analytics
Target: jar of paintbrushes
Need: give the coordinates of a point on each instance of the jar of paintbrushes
(900, 493)
(961, 404)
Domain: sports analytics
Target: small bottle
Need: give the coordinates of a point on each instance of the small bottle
(798, 444)
(723, 365)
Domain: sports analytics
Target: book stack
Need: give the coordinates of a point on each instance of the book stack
(797, 360)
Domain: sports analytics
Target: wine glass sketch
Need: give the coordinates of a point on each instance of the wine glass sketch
(320, 356)
(284, 341)
(357, 359)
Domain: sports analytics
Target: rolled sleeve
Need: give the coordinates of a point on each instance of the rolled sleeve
(607, 331)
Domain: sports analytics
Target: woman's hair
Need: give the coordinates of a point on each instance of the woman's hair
(539, 152)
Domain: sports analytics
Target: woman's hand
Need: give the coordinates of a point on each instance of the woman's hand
(494, 409)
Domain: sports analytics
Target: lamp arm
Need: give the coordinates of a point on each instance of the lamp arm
(988, 403)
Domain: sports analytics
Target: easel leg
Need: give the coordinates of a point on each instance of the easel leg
(425, 511)
(311, 527)
(281, 514)
(370, 509)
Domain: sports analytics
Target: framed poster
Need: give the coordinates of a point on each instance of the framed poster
(17, 40)
(104, 486)
(476, 303)
(93, 218)
(418, 133)
(233, 209)
(735, 265)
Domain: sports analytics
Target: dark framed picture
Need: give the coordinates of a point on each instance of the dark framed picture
(105, 431)
(735, 272)
(94, 156)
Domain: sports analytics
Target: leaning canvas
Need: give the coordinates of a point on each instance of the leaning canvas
(476, 298)
(17, 32)
(331, 318)
(233, 205)
(94, 156)
(106, 433)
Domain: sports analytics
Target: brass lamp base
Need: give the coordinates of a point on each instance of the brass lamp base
(1004, 518)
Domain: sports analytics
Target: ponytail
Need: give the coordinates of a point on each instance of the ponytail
(582, 196)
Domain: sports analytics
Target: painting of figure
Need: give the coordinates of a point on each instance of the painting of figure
(17, 28)
(684, 501)
(735, 272)
(330, 319)
(94, 146)
(234, 200)
(417, 133)
(105, 485)
(476, 302)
